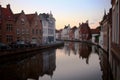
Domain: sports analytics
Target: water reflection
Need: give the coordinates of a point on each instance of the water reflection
(73, 61)
(84, 51)
(33, 67)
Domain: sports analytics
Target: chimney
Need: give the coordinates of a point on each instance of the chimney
(22, 12)
(36, 13)
(8, 6)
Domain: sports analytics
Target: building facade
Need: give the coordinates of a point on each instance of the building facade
(65, 32)
(22, 27)
(7, 25)
(114, 54)
(51, 28)
(84, 32)
(48, 25)
(95, 35)
(77, 34)
(44, 19)
(72, 33)
(106, 24)
(35, 28)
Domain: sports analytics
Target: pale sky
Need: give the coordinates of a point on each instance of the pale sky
(65, 12)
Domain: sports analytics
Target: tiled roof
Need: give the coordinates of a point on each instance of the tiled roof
(95, 31)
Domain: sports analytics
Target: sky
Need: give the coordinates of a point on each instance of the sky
(65, 12)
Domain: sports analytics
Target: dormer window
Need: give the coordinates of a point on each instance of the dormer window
(22, 21)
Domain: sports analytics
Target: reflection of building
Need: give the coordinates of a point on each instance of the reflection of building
(84, 51)
(66, 47)
(33, 67)
(76, 48)
(104, 65)
(71, 48)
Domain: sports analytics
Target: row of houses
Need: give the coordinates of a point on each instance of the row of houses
(110, 37)
(30, 28)
(81, 33)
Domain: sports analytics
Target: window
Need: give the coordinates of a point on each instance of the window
(117, 24)
(0, 38)
(9, 38)
(32, 31)
(36, 31)
(23, 31)
(22, 21)
(9, 27)
(27, 31)
(18, 31)
(36, 23)
(40, 31)
(0, 26)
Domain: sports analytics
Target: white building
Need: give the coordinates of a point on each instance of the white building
(101, 38)
(77, 34)
(51, 29)
(65, 33)
(48, 25)
(57, 35)
(44, 20)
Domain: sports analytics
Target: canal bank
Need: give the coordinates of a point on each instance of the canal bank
(17, 51)
(73, 61)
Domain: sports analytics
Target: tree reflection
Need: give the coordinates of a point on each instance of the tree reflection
(32, 67)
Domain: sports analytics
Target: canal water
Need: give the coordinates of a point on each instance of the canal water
(73, 61)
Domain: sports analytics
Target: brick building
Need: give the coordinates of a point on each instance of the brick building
(7, 25)
(35, 28)
(22, 27)
(72, 33)
(84, 32)
(105, 25)
(114, 54)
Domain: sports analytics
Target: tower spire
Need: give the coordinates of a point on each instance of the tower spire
(104, 11)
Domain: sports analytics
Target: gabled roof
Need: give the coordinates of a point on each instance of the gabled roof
(30, 17)
(7, 13)
(16, 16)
(84, 26)
(74, 28)
(44, 16)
